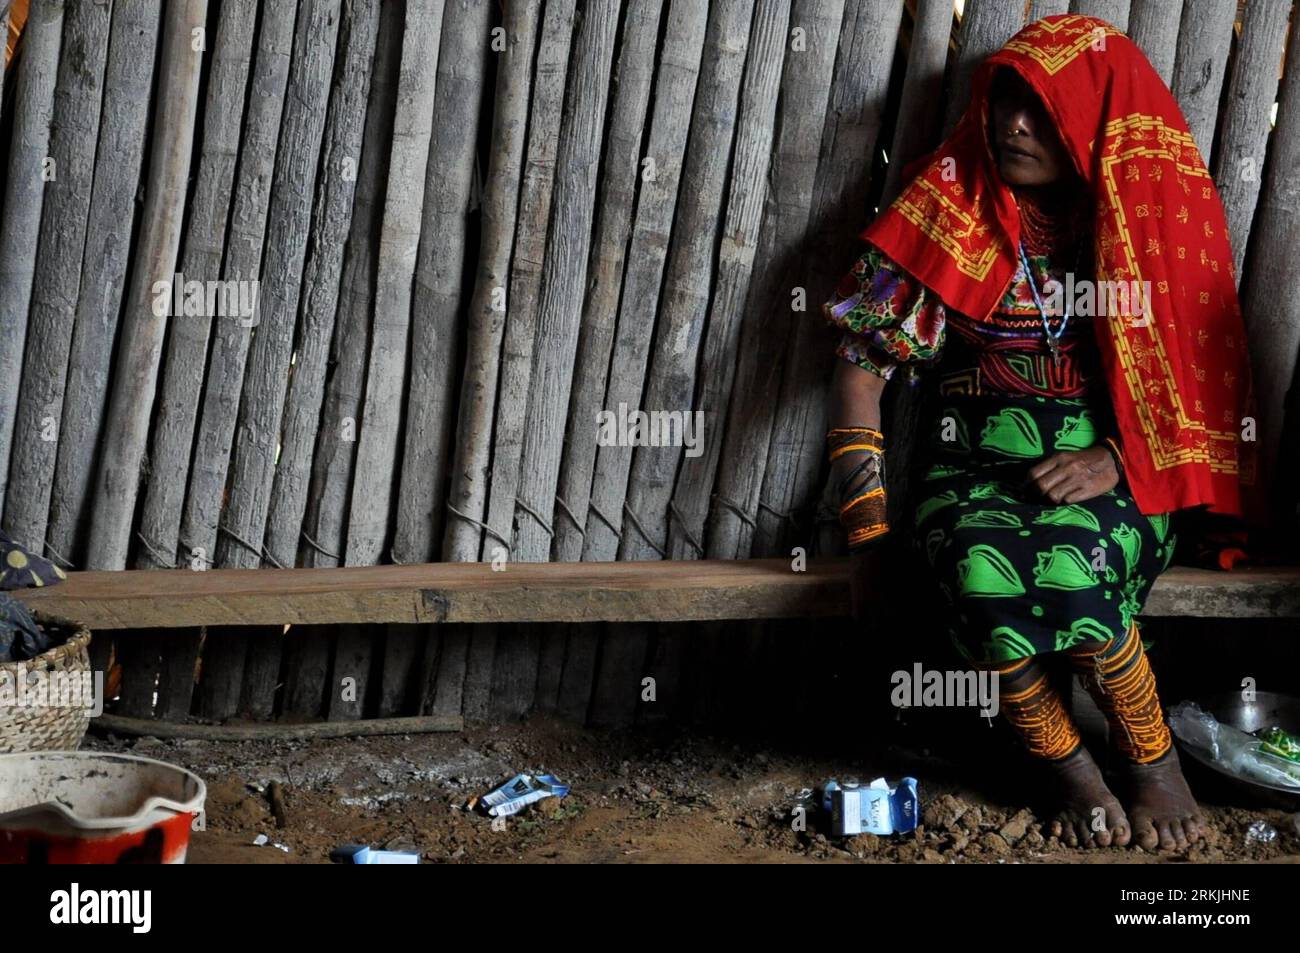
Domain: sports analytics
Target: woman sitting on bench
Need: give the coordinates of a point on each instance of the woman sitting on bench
(1063, 262)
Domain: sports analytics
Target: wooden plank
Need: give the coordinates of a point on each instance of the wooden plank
(662, 591)
(526, 271)
(564, 268)
(1252, 90)
(1271, 293)
(379, 436)
(307, 668)
(1204, 40)
(371, 727)
(1153, 26)
(1114, 12)
(20, 224)
(747, 195)
(469, 478)
(187, 340)
(618, 184)
(797, 449)
(769, 313)
(675, 86)
(78, 94)
(119, 157)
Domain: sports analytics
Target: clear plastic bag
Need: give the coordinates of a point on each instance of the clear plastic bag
(1236, 751)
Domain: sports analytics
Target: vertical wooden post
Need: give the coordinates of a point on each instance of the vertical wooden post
(796, 452)
(467, 498)
(670, 384)
(436, 324)
(1239, 163)
(131, 400)
(119, 158)
(747, 196)
(1204, 40)
(187, 340)
(78, 94)
(243, 262)
(524, 302)
(340, 174)
(1153, 26)
(380, 433)
(225, 651)
(20, 223)
(675, 86)
(783, 244)
(323, 525)
(1271, 293)
(1114, 12)
(565, 271)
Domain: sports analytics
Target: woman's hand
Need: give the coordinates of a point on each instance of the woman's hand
(1073, 476)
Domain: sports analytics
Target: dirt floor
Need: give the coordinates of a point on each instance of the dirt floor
(649, 796)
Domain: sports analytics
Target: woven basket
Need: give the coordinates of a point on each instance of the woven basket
(42, 727)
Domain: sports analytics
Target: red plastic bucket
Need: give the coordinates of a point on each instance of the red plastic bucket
(87, 807)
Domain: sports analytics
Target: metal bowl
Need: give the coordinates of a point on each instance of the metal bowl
(1264, 711)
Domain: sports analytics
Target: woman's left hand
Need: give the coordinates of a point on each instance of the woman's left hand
(1073, 476)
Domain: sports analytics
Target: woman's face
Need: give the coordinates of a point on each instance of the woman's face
(1024, 139)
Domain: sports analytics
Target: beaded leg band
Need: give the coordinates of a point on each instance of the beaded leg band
(1118, 676)
(862, 492)
(1035, 710)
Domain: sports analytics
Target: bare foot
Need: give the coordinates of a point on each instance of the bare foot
(1163, 809)
(1090, 816)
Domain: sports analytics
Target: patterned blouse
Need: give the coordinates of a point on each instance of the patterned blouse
(889, 318)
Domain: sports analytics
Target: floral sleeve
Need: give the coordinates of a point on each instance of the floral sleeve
(888, 317)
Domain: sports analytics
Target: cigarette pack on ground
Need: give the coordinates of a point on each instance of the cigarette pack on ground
(874, 809)
(520, 791)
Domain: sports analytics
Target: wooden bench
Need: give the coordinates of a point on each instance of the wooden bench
(673, 591)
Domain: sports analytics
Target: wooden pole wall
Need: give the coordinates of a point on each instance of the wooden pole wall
(475, 228)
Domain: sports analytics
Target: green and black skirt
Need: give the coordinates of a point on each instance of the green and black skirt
(1021, 575)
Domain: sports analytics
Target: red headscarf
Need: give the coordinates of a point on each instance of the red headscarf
(1179, 378)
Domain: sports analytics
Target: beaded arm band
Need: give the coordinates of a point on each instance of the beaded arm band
(1113, 446)
(862, 506)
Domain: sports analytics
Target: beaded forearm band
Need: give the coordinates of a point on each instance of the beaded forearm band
(1113, 446)
(862, 502)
